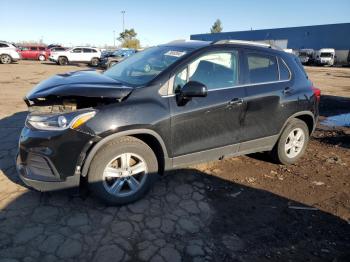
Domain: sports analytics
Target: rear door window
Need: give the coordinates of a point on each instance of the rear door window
(261, 68)
(87, 50)
(3, 45)
(33, 48)
(77, 50)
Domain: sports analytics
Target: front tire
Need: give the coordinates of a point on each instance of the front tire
(63, 60)
(111, 64)
(292, 143)
(5, 59)
(123, 171)
(41, 58)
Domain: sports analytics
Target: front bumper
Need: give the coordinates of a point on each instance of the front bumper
(50, 160)
(52, 59)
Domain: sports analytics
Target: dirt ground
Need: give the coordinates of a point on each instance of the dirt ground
(236, 209)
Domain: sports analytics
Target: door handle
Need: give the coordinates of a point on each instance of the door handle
(236, 101)
(287, 91)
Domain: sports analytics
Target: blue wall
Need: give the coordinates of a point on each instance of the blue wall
(335, 36)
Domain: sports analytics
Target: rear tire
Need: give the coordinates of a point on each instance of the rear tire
(5, 59)
(62, 60)
(95, 61)
(292, 143)
(123, 171)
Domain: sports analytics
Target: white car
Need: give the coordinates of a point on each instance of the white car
(77, 54)
(8, 53)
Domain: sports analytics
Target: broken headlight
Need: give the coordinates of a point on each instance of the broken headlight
(59, 121)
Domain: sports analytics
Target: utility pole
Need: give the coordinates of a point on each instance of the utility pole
(123, 13)
(113, 38)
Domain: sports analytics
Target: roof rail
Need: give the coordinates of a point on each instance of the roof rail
(242, 42)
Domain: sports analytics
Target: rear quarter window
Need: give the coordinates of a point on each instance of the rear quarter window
(284, 70)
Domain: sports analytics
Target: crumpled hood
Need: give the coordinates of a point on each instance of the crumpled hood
(80, 84)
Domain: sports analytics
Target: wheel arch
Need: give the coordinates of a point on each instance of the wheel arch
(150, 137)
(307, 116)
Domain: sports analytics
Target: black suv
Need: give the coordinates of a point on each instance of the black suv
(171, 105)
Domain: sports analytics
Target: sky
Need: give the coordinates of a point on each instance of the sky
(92, 22)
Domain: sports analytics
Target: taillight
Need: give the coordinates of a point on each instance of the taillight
(317, 93)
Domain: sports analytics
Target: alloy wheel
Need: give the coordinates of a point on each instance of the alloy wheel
(294, 142)
(5, 59)
(125, 174)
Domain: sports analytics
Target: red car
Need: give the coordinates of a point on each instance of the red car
(34, 52)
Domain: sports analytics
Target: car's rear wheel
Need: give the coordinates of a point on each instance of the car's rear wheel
(5, 59)
(94, 61)
(41, 58)
(123, 171)
(292, 143)
(63, 60)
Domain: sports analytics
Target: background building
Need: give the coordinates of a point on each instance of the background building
(315, 37)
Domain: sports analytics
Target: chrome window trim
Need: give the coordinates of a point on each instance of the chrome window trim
(290, 72)
(229, 87)
(278, 58)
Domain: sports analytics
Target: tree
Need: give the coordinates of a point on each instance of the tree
(217, 27)
(131, 43)
(128, 39)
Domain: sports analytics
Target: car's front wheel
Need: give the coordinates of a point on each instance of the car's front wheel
(123, 171)
(113, 63)
(63, 60)
(292, 143)
(5, 59)
(41, 58)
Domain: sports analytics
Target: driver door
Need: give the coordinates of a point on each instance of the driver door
(214, 121)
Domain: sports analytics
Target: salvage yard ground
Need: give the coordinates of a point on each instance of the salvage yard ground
(237, 209)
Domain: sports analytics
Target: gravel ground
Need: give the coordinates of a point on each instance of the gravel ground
(237, 209)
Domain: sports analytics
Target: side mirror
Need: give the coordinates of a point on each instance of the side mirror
(193, 89)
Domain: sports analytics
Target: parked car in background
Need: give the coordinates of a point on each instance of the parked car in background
(53, 45)
(8, 53)
(107, 53)
(165, 107)
(306, 56)
(325, 56)
(116, 57)
(79, 54)
(57, 49)
(34, 52)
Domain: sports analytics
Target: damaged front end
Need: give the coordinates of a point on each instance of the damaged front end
(56, 137)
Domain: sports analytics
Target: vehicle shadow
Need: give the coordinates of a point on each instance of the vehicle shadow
(189, 215)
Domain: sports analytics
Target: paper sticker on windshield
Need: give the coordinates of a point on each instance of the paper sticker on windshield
(175, 53)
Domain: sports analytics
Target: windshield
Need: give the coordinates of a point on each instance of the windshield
(326, 55)
(144, 66)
